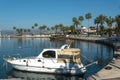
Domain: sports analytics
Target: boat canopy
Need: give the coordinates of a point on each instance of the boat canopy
(70, 51)
(69, 55)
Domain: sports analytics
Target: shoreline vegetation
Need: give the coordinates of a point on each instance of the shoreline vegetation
(27, 36)
(103, 25)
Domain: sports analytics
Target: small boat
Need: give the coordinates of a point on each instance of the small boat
(58, 37)
(64, 60)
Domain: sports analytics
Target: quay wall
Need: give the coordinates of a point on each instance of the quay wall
(27, 36)
(112, 70)
(111, 41)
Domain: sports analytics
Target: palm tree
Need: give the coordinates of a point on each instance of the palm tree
(48, 29)
(88, 16)
(35, 24)
(25, 30)
(14, 28)
(43, 27)
(56, 27)
(52, 29)
(117, 20)
(28, 30)
(32, 27)
(109, 22)
(72, 28)
(61, 27)
(102, 19)
(66, 29)
(75, 22)
(19, 31)
(81, 18)
(96, 21)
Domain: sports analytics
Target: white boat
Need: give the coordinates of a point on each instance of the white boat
(65, 60)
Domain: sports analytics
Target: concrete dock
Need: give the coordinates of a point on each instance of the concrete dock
(109, 72)
(112, 70)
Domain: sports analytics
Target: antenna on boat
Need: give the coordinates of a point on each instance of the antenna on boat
(69, 42)
(66, 46)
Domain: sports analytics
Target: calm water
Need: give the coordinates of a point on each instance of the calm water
(32, 47)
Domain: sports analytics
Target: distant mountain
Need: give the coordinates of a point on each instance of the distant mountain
(7, 32)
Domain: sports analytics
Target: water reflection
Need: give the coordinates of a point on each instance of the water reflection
(39, 76)
(33, 46)
(91, 52)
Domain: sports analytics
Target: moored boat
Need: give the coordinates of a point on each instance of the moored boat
(64, 60)
(58, 37)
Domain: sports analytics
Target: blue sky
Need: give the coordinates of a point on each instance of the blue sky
(24, 13)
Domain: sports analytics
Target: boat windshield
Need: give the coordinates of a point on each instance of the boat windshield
(49, 54)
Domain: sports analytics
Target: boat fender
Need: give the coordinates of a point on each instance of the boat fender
(27, 63)
(43, 62)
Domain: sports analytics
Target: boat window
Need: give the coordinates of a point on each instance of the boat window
(49, 54)
(24, 60)
(65, 56)
(39, 60)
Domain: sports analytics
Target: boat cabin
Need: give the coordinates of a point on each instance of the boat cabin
(67, 55)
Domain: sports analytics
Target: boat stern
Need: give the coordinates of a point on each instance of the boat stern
(82, 68)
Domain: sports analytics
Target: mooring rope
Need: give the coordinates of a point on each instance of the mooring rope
(92, 62)
(86, 58)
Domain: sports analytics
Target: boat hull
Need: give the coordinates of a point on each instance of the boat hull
(48, 70)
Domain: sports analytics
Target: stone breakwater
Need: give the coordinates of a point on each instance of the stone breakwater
(112, 70)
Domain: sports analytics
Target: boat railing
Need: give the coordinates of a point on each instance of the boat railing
(65, 46)
(12, 56)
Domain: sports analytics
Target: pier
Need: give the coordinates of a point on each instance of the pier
(112, 70)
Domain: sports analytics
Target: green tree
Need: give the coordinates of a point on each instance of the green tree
(88, 16)
(109, 20)
(19, 31)
(25, 30)
(72, 28)
(36, 24)
(81, 18)
(102, 19)
(61, 27)
(75, 22)
(52, 28)
(56, 27)
(14, 28)
(32, 27)
(96, 21)
(117, 20)
(43, 27)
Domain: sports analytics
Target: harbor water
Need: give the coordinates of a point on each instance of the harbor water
(90, 52)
